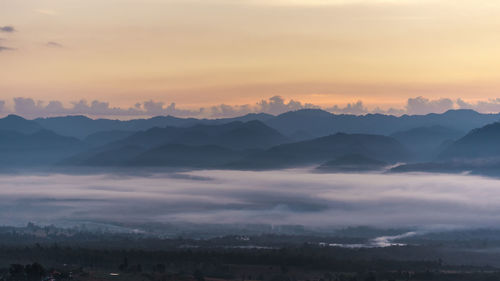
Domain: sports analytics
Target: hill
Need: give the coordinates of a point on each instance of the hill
(235, 135)
(179, 155)
(426, 142)
(298, 125)
(104, 137)
(18, 124)
(232, 136)
(352, 163)
(308, 123)
(40, 148)
(81, 126)
(319, 150)
(479, 143)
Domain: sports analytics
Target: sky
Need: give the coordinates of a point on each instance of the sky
(424, 201)
(204, 53)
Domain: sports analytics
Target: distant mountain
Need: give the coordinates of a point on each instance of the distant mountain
(478, 152)
(304, 124)
(195, 148)
(253, 141)
(41, 148)
(316, 122)
(18, 124)
(263, 117)
(42, 139)
(105, 137)
(119, 156)
(81, 126)
(317, 151)
(352, 163)
(179, 155)
(233, 136)
(299, 125)
(479, 143)
(426, 142)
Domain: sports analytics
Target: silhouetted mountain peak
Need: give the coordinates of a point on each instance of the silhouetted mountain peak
(478, 143)
(308, 112)
(461, 111)
(67, 117)
(19, 124)
(12, 117)
(486, 134)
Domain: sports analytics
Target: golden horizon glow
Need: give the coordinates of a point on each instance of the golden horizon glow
(201, 53)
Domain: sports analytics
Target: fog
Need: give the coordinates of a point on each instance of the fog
(288, 197)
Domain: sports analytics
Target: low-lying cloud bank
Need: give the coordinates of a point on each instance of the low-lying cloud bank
(238, 197)
(31, 108)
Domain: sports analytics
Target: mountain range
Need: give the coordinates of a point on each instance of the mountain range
(301, 124)
(477, 152)
(307, 137)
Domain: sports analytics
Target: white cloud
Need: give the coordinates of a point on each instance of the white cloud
(421, 105)
(489, 106)
(357, 108)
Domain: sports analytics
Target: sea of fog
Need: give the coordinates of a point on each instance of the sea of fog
(287, 197)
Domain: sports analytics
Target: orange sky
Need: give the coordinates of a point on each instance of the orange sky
(205, 52)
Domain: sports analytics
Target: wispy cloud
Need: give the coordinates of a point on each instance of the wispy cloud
(46, 12)
(3, 48)
(53, 44)
(7, 28)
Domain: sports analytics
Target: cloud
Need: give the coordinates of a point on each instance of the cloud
(46, 12)
(30, 108)
(224, 110)
(153, 108)
(421, 105)
(2, 106)
(3, 48)
(243, 197)
(275, 105)
(489, 106)
(53, 44)
(355, 108)
(99, 108)
(390, 111)
(7, 28)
